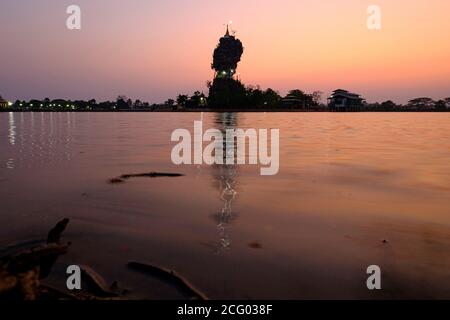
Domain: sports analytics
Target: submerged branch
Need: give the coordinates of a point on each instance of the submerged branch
(151, 175)
(124, 177)
(98, 284)
(169, 276)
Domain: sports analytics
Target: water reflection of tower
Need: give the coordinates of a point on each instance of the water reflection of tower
(225, 178)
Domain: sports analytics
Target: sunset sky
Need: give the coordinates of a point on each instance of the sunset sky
(153, 50)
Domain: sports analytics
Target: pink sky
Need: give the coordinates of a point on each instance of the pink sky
(153, 50)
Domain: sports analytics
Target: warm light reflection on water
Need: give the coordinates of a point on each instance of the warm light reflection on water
(12, 129)
(346, 183)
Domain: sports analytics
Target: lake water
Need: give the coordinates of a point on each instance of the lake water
(346, 183)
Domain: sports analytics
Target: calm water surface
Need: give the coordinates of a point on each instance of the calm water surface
(346, 183)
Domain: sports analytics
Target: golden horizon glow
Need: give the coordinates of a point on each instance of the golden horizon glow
(153, 51)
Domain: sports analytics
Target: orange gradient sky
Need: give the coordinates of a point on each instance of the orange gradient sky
(153, 50)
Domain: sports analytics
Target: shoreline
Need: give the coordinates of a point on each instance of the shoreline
(225, 111)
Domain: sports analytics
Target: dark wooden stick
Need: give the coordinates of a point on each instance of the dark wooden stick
(169, 276)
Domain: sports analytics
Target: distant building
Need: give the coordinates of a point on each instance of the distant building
(297, 99)
(291, 101)
(342, 100)
(3, 103)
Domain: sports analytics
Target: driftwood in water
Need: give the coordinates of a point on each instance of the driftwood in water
(20, 271)
(124, 177)
(55, 234)
(22, 267)
(151, 175)
(7, 282)
(43, 257)
(116, 181)
(49, 293)
(97, 283)
(170, 277)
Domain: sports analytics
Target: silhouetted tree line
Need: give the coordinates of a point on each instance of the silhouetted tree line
(423, 104)
(225, 94)
(122, 103)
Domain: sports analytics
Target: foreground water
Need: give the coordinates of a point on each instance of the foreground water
(353, 190)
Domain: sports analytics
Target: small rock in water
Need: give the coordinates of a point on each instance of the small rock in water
(255, 245)
(116, 180)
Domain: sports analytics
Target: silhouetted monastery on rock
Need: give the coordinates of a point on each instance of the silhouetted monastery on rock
(225, 91)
